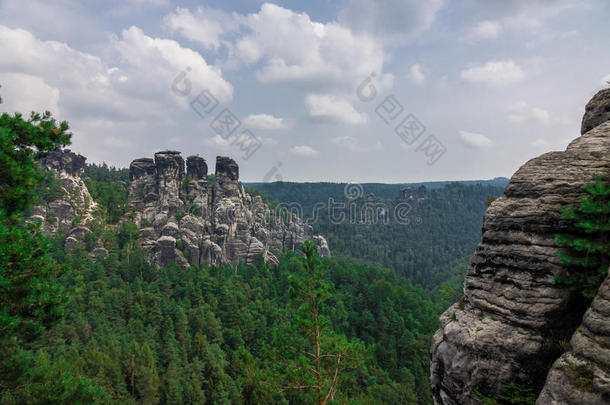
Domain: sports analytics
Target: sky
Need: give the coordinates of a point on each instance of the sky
(386, 91)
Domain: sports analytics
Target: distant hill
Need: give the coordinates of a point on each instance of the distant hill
(308, 194)
(426, 234)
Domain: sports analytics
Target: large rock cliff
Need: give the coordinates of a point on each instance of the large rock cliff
(185, 218)
(511, 323)
(73, 205)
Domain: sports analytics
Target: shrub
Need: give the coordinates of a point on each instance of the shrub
(586, 252)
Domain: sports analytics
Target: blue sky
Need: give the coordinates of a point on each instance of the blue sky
(494, 83)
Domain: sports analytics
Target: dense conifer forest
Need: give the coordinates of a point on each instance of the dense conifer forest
(428, 238)
(81, 328)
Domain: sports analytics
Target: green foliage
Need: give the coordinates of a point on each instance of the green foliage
(587, 245)
(105, 173)
(48, 188)
(31, 299)
(108, 187)
(179, 215)
(271, 202)
(565, 346)
(29, 303)
(193, 209)
(513, 394)
(185, 184)
(437, 243)
(22, 142)
(316, 358)
(133, 333)
(580, 376)
(217, 334)
(37, 380)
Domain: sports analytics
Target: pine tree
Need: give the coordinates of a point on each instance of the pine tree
(146, 376)
(587, 245)
(325, 356)
(31, 299)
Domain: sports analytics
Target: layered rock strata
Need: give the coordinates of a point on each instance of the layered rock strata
(510, 324)
(581, 376)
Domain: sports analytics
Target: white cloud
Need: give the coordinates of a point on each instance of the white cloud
(295, 48)
(155, 62)
(393, 21)
(520, 112)
(265, 121)
(234, 141)
(217, 141)
(494, 73)
(100, 100)
(327, 105)
(139, 86)
(25, 93)
(351, 144)
(205, 25)
(519, 15)
(286, 46)
(150, 2)
(304, 151)
(486, 30)
(416, 75)
(475, 140)
(84, 82)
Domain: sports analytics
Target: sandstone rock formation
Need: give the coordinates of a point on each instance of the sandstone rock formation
(597, 111)
(581, 376)
(74, 205)
(185, 218)
(508, 328)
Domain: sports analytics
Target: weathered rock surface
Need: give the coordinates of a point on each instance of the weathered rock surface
(185, 219)
(508, 327)
(581, 376)
(74, 206)
(597, 111)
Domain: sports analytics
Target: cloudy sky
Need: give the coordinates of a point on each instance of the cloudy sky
(343, 90)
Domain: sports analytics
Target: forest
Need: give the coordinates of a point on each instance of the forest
(429, 245)
(79, 328)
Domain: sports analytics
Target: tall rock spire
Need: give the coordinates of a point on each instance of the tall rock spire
(508, 326)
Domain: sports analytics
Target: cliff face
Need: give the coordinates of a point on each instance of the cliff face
(185, 219)
(513, 315)
(581, 376)
(182, 217)
(74, 206)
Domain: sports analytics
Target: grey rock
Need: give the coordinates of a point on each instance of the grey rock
(196, 167)
(513, 312)
(170, 175)
(142, 177)
(70, 242)
(64, 162)
(218, 223)
(597, 111)
(74, 200)
(99, 251)
(581, 376)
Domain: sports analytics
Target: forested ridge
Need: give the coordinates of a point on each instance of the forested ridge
(430, 244)
(85, 328)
